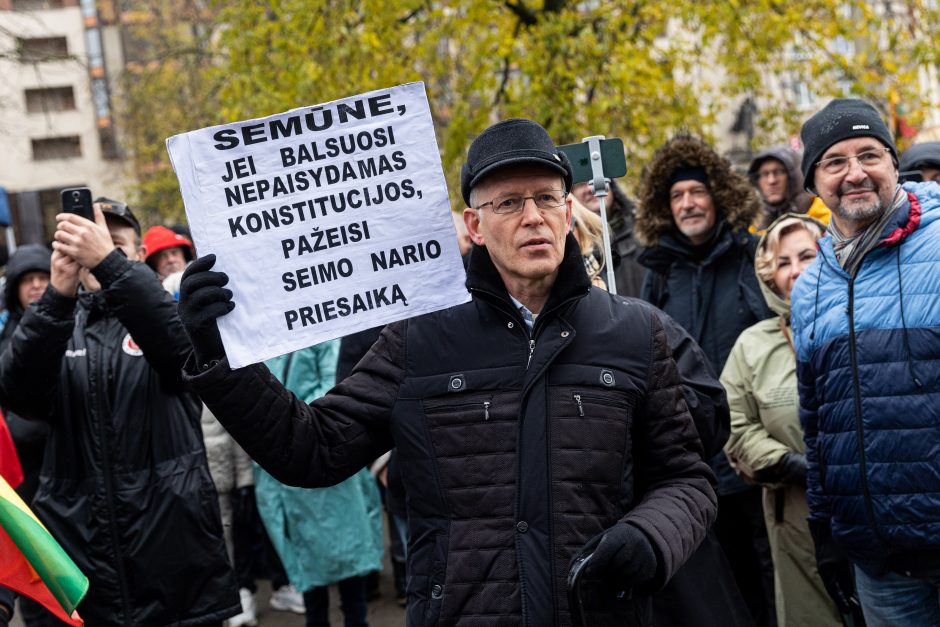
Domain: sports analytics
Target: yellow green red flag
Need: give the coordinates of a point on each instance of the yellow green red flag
(33, 564)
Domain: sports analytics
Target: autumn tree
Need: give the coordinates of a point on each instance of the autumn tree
(636, 69)
(169, 86)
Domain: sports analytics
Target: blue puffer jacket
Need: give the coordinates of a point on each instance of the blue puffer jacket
(869, 379)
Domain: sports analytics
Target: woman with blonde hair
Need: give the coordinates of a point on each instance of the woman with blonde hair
(766, 443)
(588, 230)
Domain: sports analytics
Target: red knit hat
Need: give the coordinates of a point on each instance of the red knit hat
(159, 238)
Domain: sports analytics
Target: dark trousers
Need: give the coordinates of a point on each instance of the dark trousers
(254, 554)
(742, 533)
(352, 595)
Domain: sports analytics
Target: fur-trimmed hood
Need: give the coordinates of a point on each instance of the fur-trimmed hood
(736, 201)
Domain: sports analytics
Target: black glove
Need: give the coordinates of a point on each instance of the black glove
(790, 470)
(835, 569)
(202, 300)
(624, 555)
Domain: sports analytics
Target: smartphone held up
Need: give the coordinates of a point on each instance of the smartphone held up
(77, 200)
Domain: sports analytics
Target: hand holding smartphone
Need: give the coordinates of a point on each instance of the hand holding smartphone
(77, 200)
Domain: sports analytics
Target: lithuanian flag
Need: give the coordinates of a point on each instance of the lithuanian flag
(32, 562)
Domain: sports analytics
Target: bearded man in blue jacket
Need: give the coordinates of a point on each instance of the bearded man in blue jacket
(866, 324)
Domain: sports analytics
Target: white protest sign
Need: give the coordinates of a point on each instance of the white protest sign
(327, 219)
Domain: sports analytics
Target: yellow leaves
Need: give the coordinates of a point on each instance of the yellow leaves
(638, 69)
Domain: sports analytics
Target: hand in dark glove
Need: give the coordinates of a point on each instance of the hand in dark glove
(790, 470)
(835, 569)
(203, 299)
(624, 555)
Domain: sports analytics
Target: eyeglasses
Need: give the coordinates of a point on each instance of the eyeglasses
(838, 165)
(513, 203)
(776, 173)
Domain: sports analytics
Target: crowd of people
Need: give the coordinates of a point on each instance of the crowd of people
(745, 434)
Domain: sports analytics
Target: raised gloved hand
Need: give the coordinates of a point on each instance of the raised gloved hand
(624, 555)
(203, 299)
(835, 569)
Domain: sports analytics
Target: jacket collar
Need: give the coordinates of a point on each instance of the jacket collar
(674, 247)
(572, 281)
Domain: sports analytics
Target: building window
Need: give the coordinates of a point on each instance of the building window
(46, 99)
(42, 49)
(36, 5)
(57, 148)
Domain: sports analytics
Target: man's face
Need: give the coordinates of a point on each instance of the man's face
(584, 192)
(169, 260)
(527, 245)
(772, 181)
(857, 195)
(931, 173)
(32, 285)
(125, 238)
(693, 209)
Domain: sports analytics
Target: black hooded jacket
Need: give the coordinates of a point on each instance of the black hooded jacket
(515, 450)
(710, 289)
(29, 437)
(124, 487)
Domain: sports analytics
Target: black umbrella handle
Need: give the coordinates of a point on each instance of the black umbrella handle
(575, 604)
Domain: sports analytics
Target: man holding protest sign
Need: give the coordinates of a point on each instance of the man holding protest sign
(541, 421)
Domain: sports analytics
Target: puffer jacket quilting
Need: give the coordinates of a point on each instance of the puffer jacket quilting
(868, 366)
(501, 490)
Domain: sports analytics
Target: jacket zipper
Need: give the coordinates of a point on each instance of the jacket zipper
(531, 350)
(109, 494)
(859, 426)
(486, 410)
(577, 399)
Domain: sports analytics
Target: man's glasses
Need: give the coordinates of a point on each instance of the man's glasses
(513, 203)
(838, 165)
(776, 173)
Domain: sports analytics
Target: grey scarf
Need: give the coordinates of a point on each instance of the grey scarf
(851, 250)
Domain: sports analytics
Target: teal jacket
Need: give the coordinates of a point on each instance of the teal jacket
(322, 535)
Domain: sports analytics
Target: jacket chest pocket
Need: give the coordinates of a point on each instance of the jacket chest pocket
(473, 438)
(592, 445)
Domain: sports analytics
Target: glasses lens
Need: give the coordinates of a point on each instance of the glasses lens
(507, 204)
(550, 199)
(835, 165)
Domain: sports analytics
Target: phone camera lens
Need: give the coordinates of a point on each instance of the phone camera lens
(76, 196)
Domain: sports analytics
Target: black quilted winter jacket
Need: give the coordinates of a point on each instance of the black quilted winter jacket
(514, 451)
(124, 487)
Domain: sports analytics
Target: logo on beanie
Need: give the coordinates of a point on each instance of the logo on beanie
(130, 346)
(861, 127)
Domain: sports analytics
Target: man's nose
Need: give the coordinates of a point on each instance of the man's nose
(856, 171)
(531, 214)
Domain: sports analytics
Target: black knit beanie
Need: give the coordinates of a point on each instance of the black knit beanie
(843, 118)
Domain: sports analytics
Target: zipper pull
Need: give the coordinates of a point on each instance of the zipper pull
(577, 399)
(486, 410)
(531, 350)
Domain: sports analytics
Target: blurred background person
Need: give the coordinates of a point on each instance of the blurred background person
(588, 231)
(621, 215)
(766, 443)
(775, 173)
(167, 252)
(329, 535)
(924, 157)
(27, 276)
